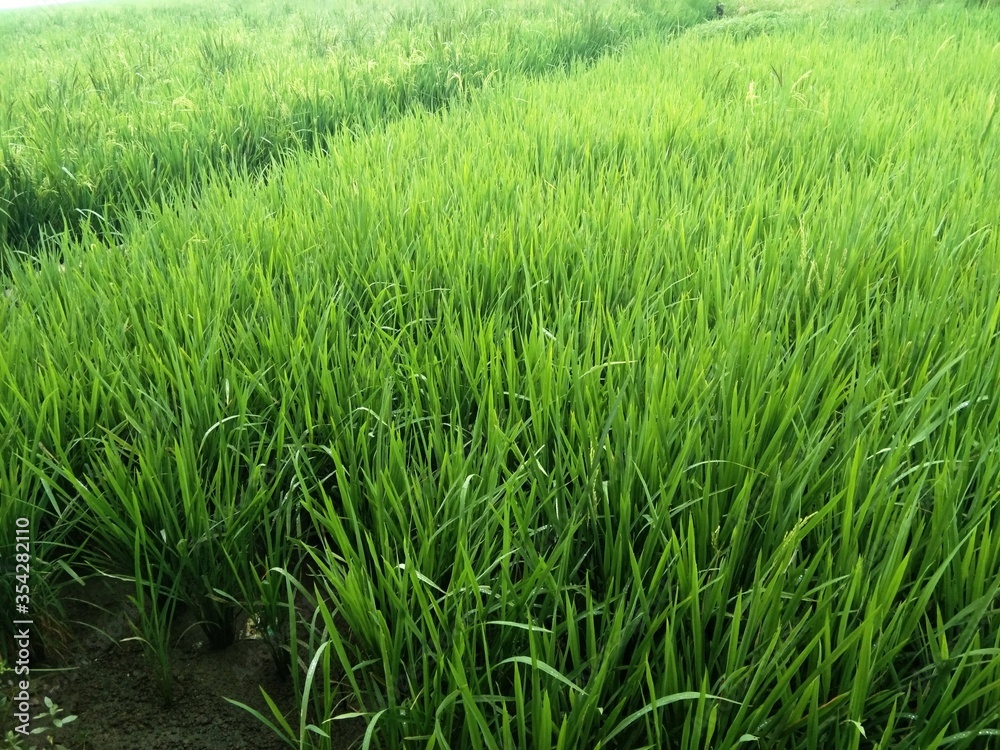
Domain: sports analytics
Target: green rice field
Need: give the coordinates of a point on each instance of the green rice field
(518, 373)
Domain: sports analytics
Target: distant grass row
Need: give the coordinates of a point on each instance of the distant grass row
(650, 406)
(101, 124)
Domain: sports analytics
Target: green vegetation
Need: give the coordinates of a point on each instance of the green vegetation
(649, 404)
(159, 99)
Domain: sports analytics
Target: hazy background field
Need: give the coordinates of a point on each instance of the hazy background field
(10, 4)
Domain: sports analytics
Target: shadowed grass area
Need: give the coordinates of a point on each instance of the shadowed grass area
(651, 405)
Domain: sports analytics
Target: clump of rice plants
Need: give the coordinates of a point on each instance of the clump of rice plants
(222, 55)
(650, 405)
(104, 124)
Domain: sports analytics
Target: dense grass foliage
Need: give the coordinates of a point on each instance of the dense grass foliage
(120, 106)
(651, 405)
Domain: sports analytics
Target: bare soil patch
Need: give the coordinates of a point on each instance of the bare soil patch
(106, 682)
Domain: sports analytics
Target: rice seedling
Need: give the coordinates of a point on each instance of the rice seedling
(155, 603)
